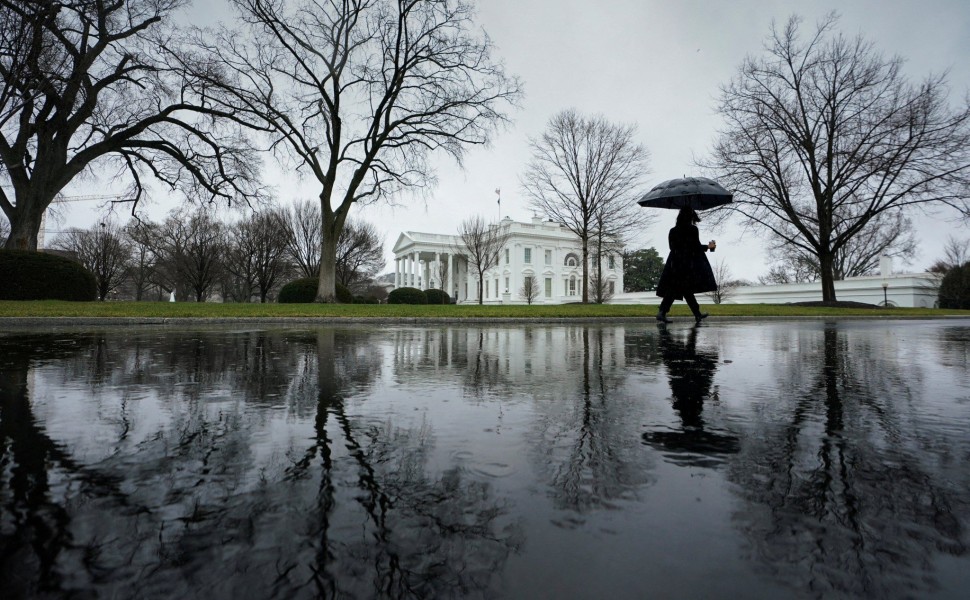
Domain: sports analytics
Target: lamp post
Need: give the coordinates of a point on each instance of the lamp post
(885, 297)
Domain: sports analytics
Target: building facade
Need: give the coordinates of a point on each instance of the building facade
(546, 252)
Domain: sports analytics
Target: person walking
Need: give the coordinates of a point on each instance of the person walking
(687, 270)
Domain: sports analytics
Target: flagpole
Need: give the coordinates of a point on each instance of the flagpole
(498, 191)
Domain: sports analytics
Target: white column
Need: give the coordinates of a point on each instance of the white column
(414, 269)
(452, 279)
(437, 269)
(397, 272)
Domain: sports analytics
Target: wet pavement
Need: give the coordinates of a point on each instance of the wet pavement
(799, 459)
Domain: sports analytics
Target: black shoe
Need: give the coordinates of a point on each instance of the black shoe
(700, 317)
(662, 317)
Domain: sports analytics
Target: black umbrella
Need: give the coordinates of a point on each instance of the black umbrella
(699, 193)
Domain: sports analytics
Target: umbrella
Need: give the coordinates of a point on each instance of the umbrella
(698, 193)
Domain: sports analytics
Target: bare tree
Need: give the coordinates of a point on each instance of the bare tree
(304, 231)
(790, 268)
(4, 229)
(585, 173)
(613, 226)
(190, 249)
(888, 234)
(360, 253)
(88, 87)
(103, 250)
(824, 135)
(140, 237)
(530, 289)
(256, 254)
(479, 244)
(956, 253)
(360, 93)
(725, 282)
(444, 277)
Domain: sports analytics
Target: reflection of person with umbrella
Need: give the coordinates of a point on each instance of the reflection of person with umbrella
(691, 376)
(687, 270)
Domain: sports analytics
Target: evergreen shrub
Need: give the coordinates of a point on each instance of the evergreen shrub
(437, 297)
(27, 275)
(299, 291)
(955, 288)
(304, 290)
(344, 295)
(407, 295)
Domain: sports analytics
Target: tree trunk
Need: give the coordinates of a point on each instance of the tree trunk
(481, 288)
(332, 224)
(25, 225)
(585, 270)
(826, 270)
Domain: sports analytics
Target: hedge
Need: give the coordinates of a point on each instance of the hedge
(26, 275)
(407, 295)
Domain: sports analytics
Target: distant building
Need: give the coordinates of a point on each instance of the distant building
(541, 249)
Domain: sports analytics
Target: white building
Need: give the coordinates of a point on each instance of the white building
(545, 251)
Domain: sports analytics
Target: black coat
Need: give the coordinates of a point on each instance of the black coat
(686, 270)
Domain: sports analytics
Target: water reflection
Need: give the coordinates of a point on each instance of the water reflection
(691, 373)
(484, 461)
(200, 501)
(847, 491)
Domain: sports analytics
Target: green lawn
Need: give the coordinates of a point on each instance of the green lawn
(576, 311)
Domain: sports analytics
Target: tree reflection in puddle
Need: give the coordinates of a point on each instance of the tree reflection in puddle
(484, 461)
(842, 496)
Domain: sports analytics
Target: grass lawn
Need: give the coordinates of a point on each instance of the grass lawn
(51, 308)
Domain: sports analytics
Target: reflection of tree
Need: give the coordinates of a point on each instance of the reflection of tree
(584, 447)
(847, 493)
(572, 374)
(954, 343)
(33, 518)
(420, 535)
(691, 375)
(198, 500)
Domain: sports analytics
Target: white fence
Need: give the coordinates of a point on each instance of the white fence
(909, 290)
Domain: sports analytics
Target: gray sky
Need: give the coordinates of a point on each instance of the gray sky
(658, 64)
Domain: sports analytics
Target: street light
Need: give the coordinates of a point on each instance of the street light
(885, 297)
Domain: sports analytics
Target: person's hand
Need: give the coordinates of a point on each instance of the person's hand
(711, 245)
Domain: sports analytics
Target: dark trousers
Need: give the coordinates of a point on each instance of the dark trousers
(688, 298)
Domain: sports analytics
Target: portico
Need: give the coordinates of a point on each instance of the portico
(430, 261)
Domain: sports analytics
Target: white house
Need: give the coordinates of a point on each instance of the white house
(543, 250)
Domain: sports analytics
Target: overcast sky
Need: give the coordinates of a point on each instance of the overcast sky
(658, 64)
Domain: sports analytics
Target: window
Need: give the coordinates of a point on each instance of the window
(571, 260)
(506, 285)
(612, 286)
(528, 256)
(488, 284)
(612, 262)
(549, 257)
(548, 287)
(572, 286)
(527, 284)
(496, 288)
(506, 256)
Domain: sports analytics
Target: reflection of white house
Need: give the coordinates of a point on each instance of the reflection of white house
(545, 251)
